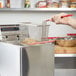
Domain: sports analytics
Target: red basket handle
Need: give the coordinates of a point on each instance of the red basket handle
(71, 34)
(61, 17)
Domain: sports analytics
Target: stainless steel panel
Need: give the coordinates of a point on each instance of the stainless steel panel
(9, 60)
(65, 72)
(26, 61)
(65, 62)
(40, 59)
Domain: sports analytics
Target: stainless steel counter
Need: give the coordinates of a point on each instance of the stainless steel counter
(26, 61)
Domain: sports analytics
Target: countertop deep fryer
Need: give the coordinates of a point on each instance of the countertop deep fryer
(20, 60)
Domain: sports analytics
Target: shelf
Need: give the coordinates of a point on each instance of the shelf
(65, 55)
(37, 9)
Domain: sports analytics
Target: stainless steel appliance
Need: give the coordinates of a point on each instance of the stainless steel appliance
(65, 63)
(18, 60)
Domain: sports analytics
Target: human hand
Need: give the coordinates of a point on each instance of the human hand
(59, 20)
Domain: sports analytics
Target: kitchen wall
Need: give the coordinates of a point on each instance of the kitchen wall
(35, 17)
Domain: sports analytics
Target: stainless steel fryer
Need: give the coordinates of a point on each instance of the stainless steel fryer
(19, 60)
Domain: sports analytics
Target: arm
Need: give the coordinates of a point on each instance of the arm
(72, 22)
(66, 20)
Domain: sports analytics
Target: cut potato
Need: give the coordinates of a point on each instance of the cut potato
(59, 49)
(64, 50)
(67, 43)
(28, 41)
